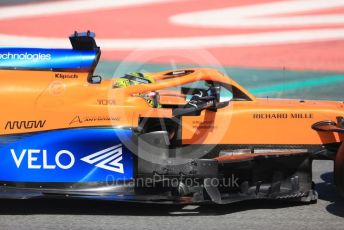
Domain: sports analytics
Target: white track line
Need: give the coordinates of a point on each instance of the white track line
(268, 38)
(226, 16)
(64, 7)
(263, 15)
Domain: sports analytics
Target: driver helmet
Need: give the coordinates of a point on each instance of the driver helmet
(137, 78)
(134, 78)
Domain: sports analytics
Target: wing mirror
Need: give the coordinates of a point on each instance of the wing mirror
(95, 79)
(215, 92)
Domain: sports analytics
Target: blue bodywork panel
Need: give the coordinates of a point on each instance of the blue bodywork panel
(35, 58)
(70, 155)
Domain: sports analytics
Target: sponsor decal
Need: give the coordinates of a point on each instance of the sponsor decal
(78, 119)
(38, 159)
(50, 59)
(64, 76)
(108, 159)
(106, 102)
(68, 155)
(283, 116)
(25, 56)
(203, 125)
(25, 124)
(57, 88)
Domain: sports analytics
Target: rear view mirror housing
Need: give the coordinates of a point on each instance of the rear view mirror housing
(95, 79)
(215, 92)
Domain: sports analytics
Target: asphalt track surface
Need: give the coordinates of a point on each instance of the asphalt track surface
(327, 213)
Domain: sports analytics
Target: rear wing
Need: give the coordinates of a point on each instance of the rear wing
(83, 57)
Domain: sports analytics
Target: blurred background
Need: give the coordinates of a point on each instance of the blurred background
(285, 49)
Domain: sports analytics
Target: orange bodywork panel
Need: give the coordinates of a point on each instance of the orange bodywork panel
(33, 101)
(264, 121)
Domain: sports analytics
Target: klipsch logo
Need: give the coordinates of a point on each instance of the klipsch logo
(25, 124)
(64, 76)
(108, 159)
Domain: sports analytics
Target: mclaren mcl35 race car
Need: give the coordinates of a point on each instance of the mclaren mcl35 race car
(178, 136)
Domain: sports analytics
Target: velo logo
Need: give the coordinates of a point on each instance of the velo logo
(108, 159)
